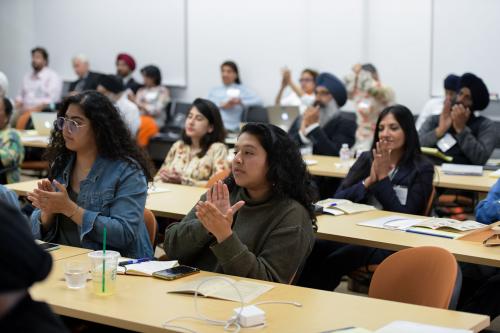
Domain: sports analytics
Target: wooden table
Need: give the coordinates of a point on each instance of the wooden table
(142, 304)
(344, 229)
(173, 204)
(329, 166)
(65, 252)
(176, 203)
(30, 138)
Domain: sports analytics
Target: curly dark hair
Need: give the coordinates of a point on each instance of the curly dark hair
(286, 168)
(210, 111)
(112, 136)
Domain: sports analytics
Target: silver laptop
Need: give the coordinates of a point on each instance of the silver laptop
(282, 116)
(43, 122)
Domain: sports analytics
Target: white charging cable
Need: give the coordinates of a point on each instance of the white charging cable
(230, 325)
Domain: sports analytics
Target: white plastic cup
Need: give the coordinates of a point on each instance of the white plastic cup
(75, 274)
(103, 270)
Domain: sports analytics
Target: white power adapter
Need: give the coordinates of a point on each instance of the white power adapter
(250, 316)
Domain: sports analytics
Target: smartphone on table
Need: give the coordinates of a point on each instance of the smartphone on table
(48, 246)
(175, 272)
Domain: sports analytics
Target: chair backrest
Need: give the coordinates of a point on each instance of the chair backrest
(430, 202)
(216, 177)
(151, 225)
(147, 129)
(255, 114)
(424, 275)
(178, 114)
(23, 120)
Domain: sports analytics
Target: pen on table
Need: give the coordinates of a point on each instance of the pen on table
(428, 234)
(134, 261)
(332, 204)
(340, 329)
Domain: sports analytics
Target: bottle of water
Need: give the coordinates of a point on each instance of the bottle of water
(345, 156)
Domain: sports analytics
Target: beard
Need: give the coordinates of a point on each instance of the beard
(36, 67)
(320, 104)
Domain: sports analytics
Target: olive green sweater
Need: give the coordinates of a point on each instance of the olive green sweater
(270, 241)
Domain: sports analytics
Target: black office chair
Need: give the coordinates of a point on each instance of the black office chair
(160, 144)
(255, 114)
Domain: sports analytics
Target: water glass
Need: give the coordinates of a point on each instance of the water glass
(75, 274)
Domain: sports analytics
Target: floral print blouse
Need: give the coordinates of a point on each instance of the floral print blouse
(195, 170)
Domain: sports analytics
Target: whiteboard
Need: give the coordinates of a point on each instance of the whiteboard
(152, 31)
(466, 38)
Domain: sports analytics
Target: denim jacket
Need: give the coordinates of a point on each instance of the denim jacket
(113, 195)
(488, 210)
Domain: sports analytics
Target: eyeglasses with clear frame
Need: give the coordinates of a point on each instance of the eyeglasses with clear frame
(71, 124)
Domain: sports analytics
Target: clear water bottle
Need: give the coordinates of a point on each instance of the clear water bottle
(345, 156)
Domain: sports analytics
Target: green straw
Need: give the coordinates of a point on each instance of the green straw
(104, 260)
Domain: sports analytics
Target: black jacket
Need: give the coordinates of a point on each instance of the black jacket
(327, 140)
(416, 176)
(91, 82)
(132, 85)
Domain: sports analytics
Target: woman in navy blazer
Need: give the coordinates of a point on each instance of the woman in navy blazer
(394, 176)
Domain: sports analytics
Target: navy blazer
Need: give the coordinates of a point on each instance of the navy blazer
(327, 140)
(416, 176)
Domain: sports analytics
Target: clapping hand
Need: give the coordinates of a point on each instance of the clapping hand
(459, 117)
(382, 160)
(168, 176)
(49, 201)
(216, 213)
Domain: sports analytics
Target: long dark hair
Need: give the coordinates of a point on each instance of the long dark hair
(411, 147)
(286, 168)
(234, 67)
(112, 136)
(405, 119)
(152, 72)
(211, 112)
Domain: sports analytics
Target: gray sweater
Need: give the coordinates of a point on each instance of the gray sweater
(474, 144)
(270, 240)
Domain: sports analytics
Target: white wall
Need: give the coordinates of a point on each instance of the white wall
(102, 29)
(262, 36)
(328, 35)
(479, 37)
(399, 44)
(17, 38)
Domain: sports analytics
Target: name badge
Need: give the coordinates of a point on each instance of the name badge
(446, 142)
(401, 193)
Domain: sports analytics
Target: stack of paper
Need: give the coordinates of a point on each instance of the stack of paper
(217, 288)
(343, 206)
(153, 188)
(462, 169)
(448, 228)
(310, 162)
(146, 268)
(436, 153)
(410, 327)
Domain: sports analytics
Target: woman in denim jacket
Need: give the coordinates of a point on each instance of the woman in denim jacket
(99, 179)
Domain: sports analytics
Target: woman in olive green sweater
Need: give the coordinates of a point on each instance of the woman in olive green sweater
(259, 223)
